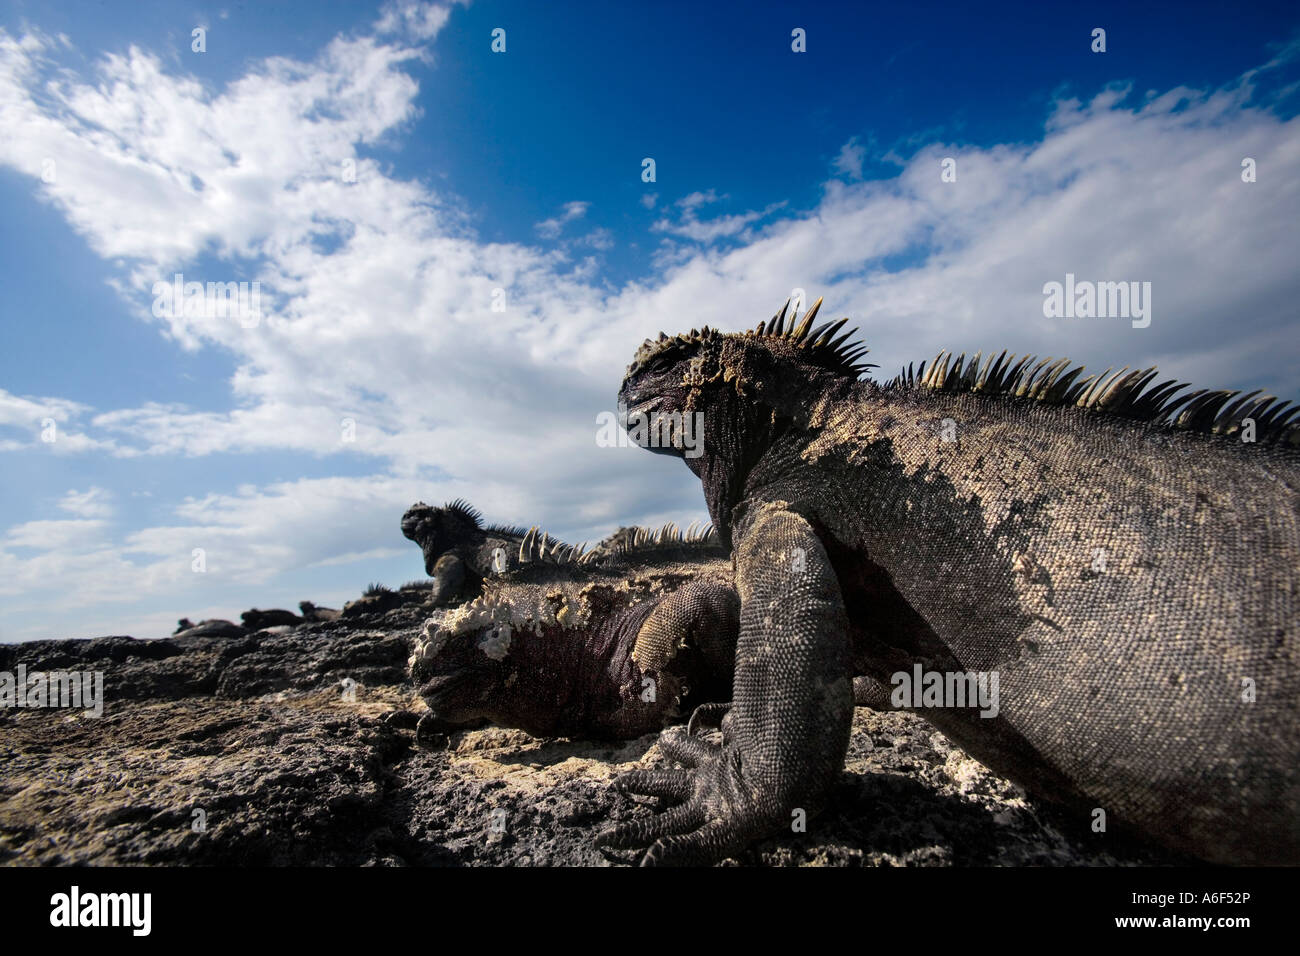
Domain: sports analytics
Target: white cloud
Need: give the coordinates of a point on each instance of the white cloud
(95, 502)
(551, 228)
(697, 199)
(709, 230)
(45, 424)
(359, 557)
(53, 536)
(850, 159)
(601, 239)
(421, 21)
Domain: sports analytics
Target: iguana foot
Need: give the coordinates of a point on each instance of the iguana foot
(402, 719)
(429, 730)
(718, 814)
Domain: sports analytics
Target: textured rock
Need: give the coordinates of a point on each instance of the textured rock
(280, 743)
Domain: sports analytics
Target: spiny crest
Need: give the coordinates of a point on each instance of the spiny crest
(506, 530)
(818, 346)
(538, 547)
(640, 541)
(1125, 393)
(463, 509)
(667, 346)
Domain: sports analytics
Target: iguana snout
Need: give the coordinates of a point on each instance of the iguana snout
(454, 675)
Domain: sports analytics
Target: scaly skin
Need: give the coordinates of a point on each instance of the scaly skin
(550, 648)
(1132, 583)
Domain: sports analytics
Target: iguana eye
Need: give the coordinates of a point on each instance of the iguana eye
(664, 361)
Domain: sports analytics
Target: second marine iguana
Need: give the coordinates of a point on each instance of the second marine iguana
(549, 647)
(460, 551)
(1124, 558)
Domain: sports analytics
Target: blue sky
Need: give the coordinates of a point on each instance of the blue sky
(521, 171)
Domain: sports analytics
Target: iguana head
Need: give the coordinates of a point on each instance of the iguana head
(719, 399)
(533, 652)
(675, 374)
(438, 530)
(462, 671)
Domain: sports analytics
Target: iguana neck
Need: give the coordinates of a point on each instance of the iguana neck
(478, 550)
(739, 434)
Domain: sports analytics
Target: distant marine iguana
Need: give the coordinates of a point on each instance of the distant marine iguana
(256, 620)
(548, 647)
(313, 614)
(460, 551)
(213, 627)
(1125, 559)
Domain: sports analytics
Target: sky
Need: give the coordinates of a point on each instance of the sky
(457, 250)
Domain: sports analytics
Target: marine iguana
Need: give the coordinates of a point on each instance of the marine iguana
(1122, 556)
(548, 647)
(213, 627)
(313, 614)
(256, 620)
(459, 551)
(666, 604)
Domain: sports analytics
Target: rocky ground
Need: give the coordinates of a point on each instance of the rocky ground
(271, 748)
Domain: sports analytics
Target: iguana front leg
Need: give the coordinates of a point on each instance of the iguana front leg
(703, 616)
(448, 579)
(787, 732)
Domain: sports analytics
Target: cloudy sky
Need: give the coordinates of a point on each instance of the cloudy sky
(388, 178)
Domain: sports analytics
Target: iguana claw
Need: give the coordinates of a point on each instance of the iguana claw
(704, 715)
(718, 817)
(429, 730)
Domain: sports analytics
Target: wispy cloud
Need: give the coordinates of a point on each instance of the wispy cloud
(551, 228)
(46, 421)
(419, 21)
(95, 502)
(850, 159)
(690, 226)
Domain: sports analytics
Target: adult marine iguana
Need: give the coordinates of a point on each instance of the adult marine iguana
(548, 647)
(1121, 556)
(460, 551)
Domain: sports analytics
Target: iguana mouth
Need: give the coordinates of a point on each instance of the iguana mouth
(437, 689)
(632, 405)
(650, 424)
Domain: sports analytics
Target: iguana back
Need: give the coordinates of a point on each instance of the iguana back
(1134, 588)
